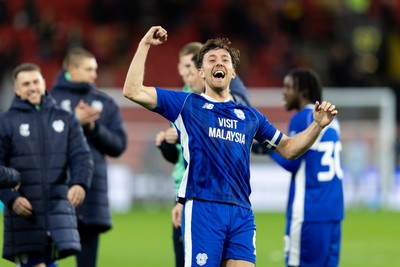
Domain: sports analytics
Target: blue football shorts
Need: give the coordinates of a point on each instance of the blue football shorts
(312, 243)
(214, 232)
(30, 260)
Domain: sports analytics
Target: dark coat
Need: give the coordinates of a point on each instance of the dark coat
(40, 145)
(8, 177)
(107, 139)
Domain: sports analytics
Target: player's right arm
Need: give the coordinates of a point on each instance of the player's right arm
(134, 89)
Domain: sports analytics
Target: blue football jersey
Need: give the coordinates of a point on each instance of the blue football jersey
(216, 139)
(316, 192)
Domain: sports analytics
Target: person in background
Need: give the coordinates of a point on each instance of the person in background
(104, 130)
(315, 204)
(216, 135)
(44, 148)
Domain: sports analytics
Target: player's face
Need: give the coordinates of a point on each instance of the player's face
(184, 67)
(30, 86)
(291, 96)
(217, 69)
(195, 82)
(85, 72)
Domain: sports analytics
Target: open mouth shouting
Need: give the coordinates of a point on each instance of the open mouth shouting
(219, 74)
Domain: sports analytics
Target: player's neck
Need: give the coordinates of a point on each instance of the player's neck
(218, 95)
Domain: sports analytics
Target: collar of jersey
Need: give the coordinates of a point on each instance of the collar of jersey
(310, 106)
(209, 98)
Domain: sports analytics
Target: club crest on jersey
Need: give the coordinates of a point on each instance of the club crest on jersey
(98, 105)
(208, 106)
(58, 126)
(240, 114)
(24, 129)
(66, 104)
(201, 259)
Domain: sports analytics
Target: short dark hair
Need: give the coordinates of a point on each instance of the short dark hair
(25, 67)
(218, 43)
(307, 81)
(75, 56)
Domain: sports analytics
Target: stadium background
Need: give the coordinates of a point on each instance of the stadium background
(349, 42)
(353, 44)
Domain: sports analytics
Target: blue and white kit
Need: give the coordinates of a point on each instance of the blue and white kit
(216, 139)
(315, 204)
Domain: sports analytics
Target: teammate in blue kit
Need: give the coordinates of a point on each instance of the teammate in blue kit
(216, 136)
(315, 204)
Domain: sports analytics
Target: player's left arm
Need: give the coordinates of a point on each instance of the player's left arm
(293, 147)
(134, 89)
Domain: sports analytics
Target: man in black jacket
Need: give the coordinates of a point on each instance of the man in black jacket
(103, 127)
(44, 147)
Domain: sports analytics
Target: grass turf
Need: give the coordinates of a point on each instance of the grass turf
(143, 238)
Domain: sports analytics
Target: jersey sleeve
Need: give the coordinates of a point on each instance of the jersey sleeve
(289, 165)
(267, 134)
(169, 103)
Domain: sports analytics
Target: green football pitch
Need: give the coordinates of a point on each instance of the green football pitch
(143, 238)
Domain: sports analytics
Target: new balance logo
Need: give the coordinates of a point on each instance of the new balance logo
(208, 106)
